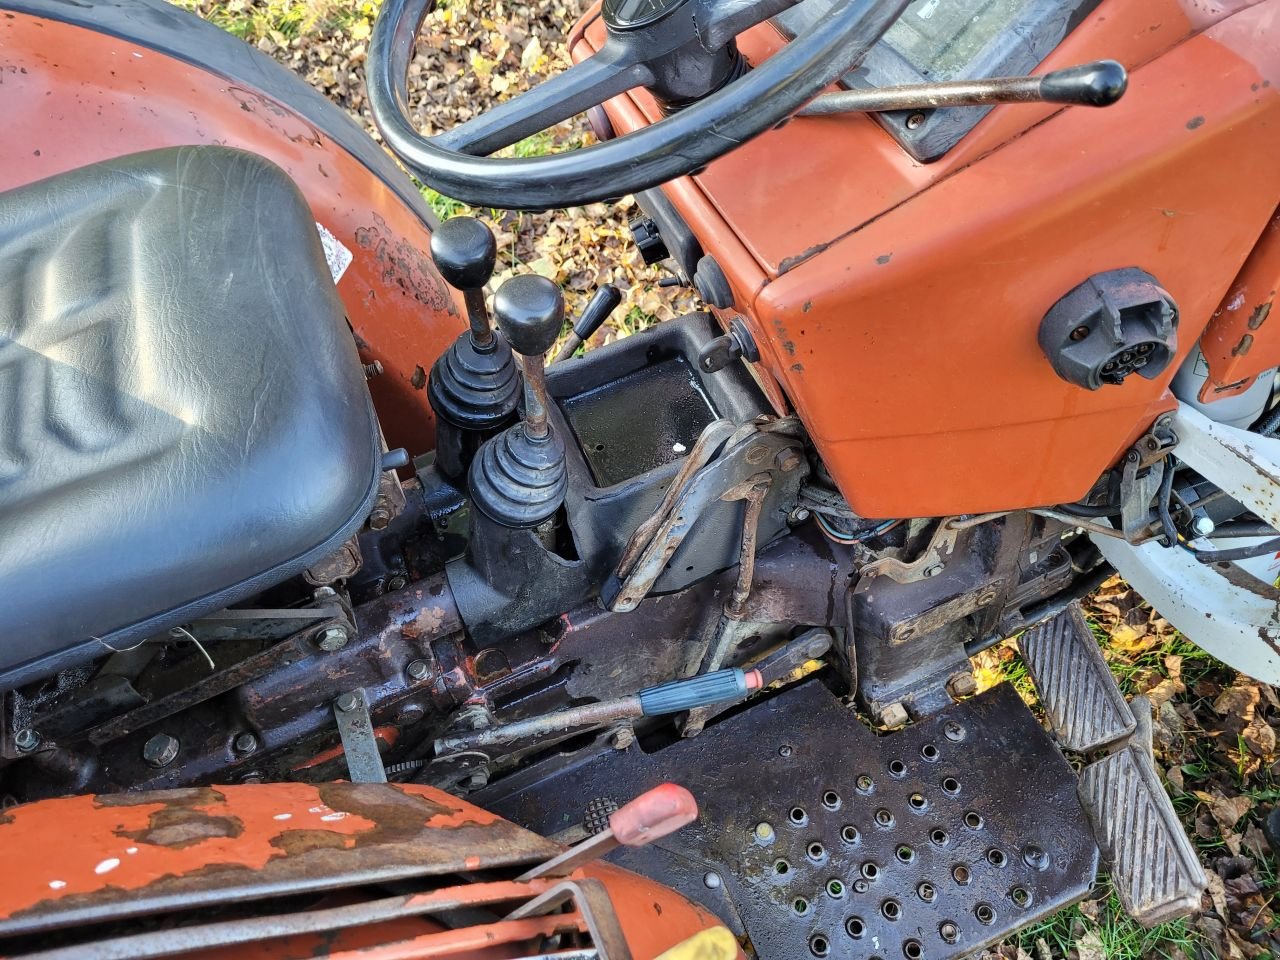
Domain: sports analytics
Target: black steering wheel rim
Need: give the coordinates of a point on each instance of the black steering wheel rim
(676, 146)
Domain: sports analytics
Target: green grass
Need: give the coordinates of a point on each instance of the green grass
(1121, 937)
(281, 20)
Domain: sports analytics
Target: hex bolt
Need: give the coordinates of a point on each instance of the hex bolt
(893, 715)
(933, 570)
(397, 582)
(787, 460)
(347, 702)
(333, 637)
(963, 684)
(623, 738)
(26, 740)
(161, 750)
(380, 517)
(798, 515)
(245, 743)
(418, 670)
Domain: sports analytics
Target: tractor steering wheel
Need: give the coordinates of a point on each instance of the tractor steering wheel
(682, 50)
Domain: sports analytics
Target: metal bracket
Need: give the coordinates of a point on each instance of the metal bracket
(1140, 478)
(929, 564)
(359, 743)
(1231, 610)
(724, 456)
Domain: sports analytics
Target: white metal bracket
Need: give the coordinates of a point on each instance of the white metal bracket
(1231, 610)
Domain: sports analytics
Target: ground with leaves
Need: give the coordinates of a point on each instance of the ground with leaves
(1215, 731)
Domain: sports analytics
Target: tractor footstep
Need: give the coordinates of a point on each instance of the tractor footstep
(819, 838)
(1079, 695)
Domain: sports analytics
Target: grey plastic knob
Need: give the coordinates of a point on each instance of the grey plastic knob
(464, 252)
(530, 312)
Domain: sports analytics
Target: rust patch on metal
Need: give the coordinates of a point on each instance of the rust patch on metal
(419, 378)
(185, 797)
(426, 624)
(1195, 122)
(1244, 346)
(180, 827)
(1259, 315)
(405, 267)
(294, 843)
(884, 258)
(285, 122)
(790, 263)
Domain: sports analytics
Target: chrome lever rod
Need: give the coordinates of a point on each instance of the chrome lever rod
(1097, 84)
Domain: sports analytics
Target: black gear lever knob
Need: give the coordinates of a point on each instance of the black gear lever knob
(465, 252)
(530, 313)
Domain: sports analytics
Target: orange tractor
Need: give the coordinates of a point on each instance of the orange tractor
(342, 618)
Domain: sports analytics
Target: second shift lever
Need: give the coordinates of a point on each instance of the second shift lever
(519, 477)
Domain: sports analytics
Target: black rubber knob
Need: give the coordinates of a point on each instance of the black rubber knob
(1097, 84)
(465, 252)
(530, 312)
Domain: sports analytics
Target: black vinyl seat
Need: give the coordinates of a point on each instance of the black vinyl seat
(183, 415)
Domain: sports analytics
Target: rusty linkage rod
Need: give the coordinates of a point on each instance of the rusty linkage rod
(1097, 84)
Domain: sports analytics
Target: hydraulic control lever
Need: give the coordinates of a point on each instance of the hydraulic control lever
(1097, 84)
(594, 315)
(519, 478)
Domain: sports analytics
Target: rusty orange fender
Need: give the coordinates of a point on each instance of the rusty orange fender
(76, 861)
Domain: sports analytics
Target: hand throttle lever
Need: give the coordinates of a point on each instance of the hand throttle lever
(1097, 84)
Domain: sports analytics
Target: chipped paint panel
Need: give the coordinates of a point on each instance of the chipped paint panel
(1239, 343)
(179, 849)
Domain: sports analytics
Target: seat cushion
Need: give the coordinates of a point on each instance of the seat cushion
(183, 415)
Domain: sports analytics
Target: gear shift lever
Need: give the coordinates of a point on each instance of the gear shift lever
(519, 477)
(473, 388)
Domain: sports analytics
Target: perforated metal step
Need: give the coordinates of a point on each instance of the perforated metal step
(1075, 685)
(819, 838)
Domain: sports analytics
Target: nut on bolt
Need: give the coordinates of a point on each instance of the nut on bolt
(244, 743)
(333, 637)
(347, 702)
(894, 715)
(161, 750)
(788, 460)
(962, 684)
(418, 670)
(26, 740)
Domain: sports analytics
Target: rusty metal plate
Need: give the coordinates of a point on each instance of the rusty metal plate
(83, 859)
(819, 838)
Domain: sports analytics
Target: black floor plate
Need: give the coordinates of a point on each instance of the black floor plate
(930, 842)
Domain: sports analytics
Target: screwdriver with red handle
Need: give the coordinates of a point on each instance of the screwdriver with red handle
(652, 815)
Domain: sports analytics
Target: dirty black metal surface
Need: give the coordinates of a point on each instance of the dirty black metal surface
(869, 836)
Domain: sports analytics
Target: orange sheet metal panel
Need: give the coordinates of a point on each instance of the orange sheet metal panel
(1239, 343)
(71, 96)
(898, 304)
(74, 861)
